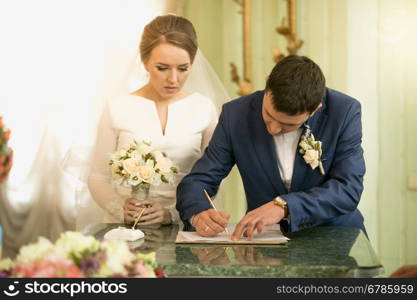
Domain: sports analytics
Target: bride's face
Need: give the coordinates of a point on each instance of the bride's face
(168, 67)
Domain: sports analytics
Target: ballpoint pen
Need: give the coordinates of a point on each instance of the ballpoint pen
(212, 204)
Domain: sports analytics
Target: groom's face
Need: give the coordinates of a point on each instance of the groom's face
(278, 122)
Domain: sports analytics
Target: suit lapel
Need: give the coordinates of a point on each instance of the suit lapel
(264, 146)
(301, 168)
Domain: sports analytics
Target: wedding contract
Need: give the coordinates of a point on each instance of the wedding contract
(270, 235)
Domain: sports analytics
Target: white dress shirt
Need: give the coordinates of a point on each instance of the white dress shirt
(286, 146)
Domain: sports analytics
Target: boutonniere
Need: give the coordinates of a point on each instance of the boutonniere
(311, 150)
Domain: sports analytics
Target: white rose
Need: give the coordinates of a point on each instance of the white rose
(312, 158)
(164, 164)
(34, 251)
(131, 166)
(118, 256)
(314, 164)
(144, 149)
(133, 179)
(136, 155)
(74, 244)
(158, 155)
(146, 173)
(121, 153)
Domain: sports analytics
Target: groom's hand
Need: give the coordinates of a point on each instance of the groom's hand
(210, 222)
(267, 214)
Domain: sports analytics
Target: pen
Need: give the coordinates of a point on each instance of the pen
(137, 219)
(212, 204)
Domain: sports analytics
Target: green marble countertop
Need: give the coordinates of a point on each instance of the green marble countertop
(316, 252)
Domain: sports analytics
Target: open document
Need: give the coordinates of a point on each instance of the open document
(270, 235)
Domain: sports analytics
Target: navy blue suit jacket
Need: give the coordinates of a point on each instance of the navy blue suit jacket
(314, 199)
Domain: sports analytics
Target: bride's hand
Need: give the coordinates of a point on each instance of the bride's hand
(154, 213)
(131, 209)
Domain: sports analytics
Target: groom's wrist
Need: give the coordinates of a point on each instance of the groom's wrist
(283, 204)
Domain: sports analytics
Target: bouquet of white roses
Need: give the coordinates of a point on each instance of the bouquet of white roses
(139, 165)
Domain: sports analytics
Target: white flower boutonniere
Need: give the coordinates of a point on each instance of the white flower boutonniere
(311, 150)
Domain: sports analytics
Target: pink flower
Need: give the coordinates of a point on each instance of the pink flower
(50, 266)
(141, 270)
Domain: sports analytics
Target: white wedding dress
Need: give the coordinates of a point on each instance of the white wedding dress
(190, 124)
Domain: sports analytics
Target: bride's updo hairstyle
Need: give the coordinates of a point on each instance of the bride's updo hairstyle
(171, 29)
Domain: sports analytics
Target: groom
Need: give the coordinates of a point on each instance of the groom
(297, 146)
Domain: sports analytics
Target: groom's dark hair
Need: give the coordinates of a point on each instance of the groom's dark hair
(297, 85)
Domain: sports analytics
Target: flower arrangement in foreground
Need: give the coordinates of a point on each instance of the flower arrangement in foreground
(4, 138)
(139, 165)
(76, 255)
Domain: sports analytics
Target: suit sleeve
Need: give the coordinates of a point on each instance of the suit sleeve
(340, 194)
(207, 173)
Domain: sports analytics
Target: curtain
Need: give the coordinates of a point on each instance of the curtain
(56, 60)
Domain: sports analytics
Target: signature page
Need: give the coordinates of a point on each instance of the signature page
(270, 235)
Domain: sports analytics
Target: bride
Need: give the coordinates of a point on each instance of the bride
(174, 117)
